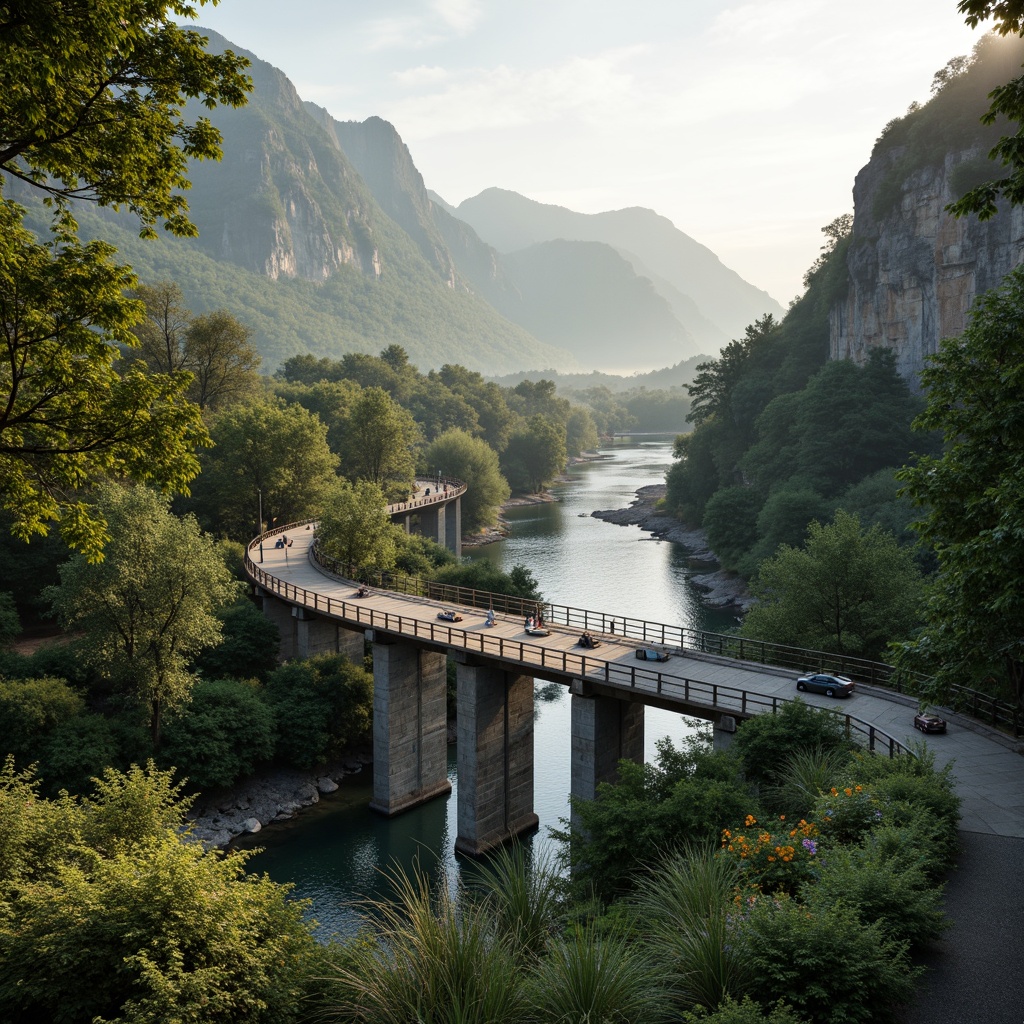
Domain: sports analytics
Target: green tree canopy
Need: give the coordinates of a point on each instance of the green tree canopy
(464, 457)
(69, 415)
(355, 527)
(535, 454)
(94, 98)
(379, 443)
(846, 590)
(110, 912)
(972, 498)
(148, 608)
(263, 448)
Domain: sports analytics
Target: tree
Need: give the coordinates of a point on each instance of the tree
(379, 442)
(111, 912)
(68, 416)
(846, 590)
(222, 360)
(535, 454)
(161, 333)
(580, 431)
(93, 101)
(266, 449)
(464, 457)
(972, 497)
(1007, 102)
(355, 527)
(148, 608)
(10, 621)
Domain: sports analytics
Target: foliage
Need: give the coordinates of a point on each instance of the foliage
(685, 904)
(729, 1011)
(70, 416)
(846, 590)
(592, 975)
(846, 815)
(80, 748)
(223, 734)
(31, 709)
(827, 964)
(266, 454)
(222, 360)
(652, 810)
(580, 431)
(379, 443)
(464, 457)
(972, 501)
(730, 521)
(322, 706)
(109, 913)
(427, 956)
(355, 527)
(147, 608)
(535, 454)
(764, 743)
(775, 857)
(481, 574)
(94, 99)
(10, 622)
(901, 898)
(248, 648)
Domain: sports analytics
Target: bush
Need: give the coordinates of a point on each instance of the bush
(221, 735)
(766, 743)
(321, 706)
(827, 963)
(78, 750)
(31, 709)
(248, 648)
(747, 1012)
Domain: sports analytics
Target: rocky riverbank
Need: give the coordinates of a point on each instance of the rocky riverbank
(721, 588)
(273, 795)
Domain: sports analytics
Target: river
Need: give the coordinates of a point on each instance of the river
(334, 852)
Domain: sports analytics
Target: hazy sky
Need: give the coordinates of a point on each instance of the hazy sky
(743, 123)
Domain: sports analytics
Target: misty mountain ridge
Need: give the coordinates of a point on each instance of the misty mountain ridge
(322, 236)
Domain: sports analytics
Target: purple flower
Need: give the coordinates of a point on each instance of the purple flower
(810, 846)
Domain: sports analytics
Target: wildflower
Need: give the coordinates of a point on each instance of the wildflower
(810, 846)
(750, 820)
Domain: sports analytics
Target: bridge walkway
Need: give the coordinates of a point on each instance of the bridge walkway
(988, 767)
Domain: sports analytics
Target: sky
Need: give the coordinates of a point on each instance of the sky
(743, 123)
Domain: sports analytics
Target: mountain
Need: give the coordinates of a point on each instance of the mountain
(583, 297)
(914, 270)
(713, 303)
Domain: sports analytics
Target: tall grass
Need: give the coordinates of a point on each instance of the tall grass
(687, 908)
(805, 774)
(427, 957)
(592, 977)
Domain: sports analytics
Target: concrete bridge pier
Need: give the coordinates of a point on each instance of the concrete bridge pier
(495, 712)
(453, 527)
(280, 613)
(433, 523)
(304, 633)
(724, 731)
(605, 730)
(410, 726)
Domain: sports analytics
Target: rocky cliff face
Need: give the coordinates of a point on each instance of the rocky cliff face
(914, 269)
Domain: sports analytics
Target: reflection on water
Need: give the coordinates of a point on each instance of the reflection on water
(334, 853)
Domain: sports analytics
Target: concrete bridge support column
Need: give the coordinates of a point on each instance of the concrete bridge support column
(433, 523)
(724, 732)
(410, 723)
(317, 635)
(280, 613)
(604, 731)
(495, 710)
(453, 527)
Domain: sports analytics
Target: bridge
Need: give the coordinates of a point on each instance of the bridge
(318, 610)
(434, 510)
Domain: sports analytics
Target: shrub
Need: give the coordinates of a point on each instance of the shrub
(248, 647)
(31, 709)
(76, 751)
(221, 735)
(321, 706)
(827, 963)
(775, 857)
(846, 815)
(766, 742)
(746, 1012)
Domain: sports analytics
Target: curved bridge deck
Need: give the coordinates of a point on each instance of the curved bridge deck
(989, 769)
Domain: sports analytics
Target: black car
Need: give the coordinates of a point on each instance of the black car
(821, 682)
(929, 723)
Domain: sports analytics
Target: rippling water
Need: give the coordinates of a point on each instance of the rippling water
(334, 853)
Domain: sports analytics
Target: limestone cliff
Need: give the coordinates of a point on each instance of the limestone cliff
(914, 270)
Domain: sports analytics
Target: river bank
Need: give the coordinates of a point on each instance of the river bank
(721, 588)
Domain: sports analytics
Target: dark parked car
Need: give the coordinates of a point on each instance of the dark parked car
(929, 723)
(650, 654)
(831, 686)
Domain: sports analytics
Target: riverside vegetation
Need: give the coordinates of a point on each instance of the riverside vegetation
(109, 912)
